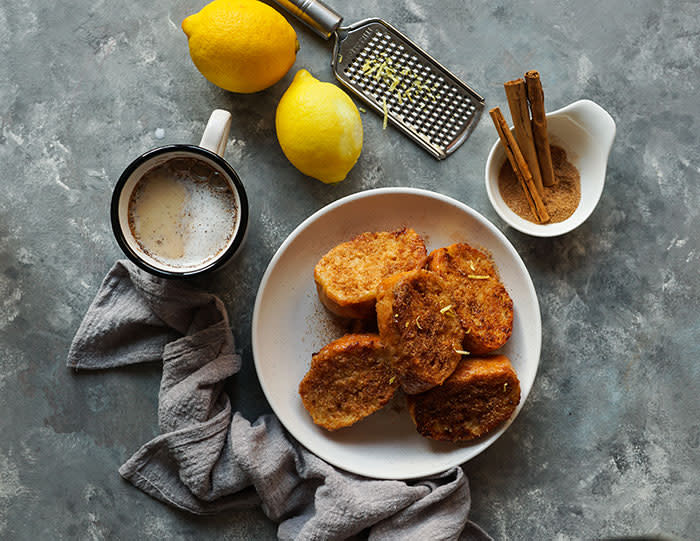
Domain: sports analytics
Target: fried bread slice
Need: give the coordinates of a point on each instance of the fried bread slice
(481, 301)
(479, 396)
(349, 379)
(422, 334)
(348, 275)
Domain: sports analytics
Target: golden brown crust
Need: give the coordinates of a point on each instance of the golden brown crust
(348, 275)
(422, 338)
(482, 302)
(349, 379)
(478, 397)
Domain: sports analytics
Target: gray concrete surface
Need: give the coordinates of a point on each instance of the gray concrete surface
(608, 442)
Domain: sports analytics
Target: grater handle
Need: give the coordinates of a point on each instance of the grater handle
(314, 14)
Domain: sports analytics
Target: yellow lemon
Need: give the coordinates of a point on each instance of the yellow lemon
(241, 45)
(319, 128)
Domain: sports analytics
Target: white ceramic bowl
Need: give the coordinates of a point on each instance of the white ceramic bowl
(290, 324)
(586, 131)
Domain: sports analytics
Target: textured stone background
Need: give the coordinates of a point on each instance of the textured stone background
(608, 441)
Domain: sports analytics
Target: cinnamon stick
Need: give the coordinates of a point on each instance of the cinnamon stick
(517, 161)
(535, 96)
(517, 101)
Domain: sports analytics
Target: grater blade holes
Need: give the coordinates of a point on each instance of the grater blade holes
(437, 118)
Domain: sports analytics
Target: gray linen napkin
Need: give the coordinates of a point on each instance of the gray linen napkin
(209, 459)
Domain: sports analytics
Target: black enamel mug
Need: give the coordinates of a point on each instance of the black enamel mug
(181, 210)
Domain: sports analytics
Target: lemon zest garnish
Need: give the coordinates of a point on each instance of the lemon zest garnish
(340, 58)
(396, 316)
(471, 266)
(461, 352)
(386, 113)
(448, 311)
(401, 84)
(478, 276)
(468, 331)
(380, 71)
(362, 109)
(418, 323)
(406, 325)
(505, 386)
(392, 380)
(368, 68)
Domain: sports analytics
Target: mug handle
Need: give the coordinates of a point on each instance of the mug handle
(216, 133)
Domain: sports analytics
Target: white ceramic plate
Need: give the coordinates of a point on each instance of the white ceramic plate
(290, 324)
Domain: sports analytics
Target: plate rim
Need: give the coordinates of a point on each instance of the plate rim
(343, 201)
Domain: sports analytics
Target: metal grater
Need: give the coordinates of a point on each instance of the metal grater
(439, 118)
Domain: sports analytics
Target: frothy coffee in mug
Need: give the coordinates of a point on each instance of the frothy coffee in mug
(183, 213)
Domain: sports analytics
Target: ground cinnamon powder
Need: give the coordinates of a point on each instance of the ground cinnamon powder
(561, 199)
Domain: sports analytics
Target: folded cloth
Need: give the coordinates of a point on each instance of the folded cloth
(208, 459)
